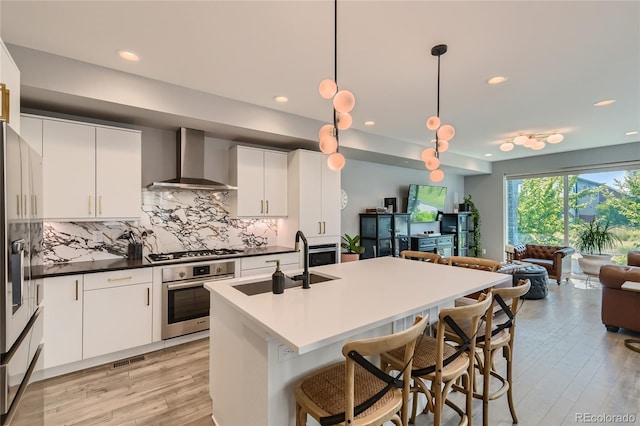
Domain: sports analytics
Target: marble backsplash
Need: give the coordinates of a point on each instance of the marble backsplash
(170, 221)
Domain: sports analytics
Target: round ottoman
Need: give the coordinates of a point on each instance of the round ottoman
(538, 276)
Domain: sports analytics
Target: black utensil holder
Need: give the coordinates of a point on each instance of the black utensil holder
(134, 251)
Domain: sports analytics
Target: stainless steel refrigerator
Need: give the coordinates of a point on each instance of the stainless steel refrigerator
(21, 313)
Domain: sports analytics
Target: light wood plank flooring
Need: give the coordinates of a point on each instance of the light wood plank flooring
(565, 364)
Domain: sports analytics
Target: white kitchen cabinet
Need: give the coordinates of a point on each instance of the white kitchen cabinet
(261, 178)
(117, 311)
(63, 320)
(256, 265)
(90, 172)
(118, 173)
(10, 77)
(31, 131)
(315, 194)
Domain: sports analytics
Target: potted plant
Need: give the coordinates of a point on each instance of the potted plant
(594, 237)
(353, 247)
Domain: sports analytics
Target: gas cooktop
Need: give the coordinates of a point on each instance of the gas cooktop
(193, 254)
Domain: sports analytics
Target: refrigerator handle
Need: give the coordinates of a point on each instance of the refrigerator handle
(17, 271)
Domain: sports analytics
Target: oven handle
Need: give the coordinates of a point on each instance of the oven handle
(195, 283)
(323, 248)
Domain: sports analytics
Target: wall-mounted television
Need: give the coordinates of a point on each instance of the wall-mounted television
(425, 201)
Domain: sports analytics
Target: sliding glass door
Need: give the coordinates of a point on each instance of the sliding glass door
(550, 209)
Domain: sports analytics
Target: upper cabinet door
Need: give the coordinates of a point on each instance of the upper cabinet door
(330, 200)
(248, 173)
(31, 132)
(118, 173)
(10, 77)
(275, 183)
(310, 190)
(68, 153)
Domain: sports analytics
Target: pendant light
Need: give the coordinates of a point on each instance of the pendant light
(444, 133)
(343, 103)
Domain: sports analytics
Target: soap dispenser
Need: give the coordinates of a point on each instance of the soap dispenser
(277, 279)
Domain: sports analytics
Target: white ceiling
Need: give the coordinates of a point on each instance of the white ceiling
(559, 57)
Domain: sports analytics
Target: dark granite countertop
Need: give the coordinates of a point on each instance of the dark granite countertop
(73, 268)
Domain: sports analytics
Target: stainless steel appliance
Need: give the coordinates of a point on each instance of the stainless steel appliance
(323, 254)
(185, 301)
(188, 256)
(21, 317)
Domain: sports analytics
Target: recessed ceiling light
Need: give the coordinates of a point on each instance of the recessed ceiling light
(604, 103)
(128, 55)
(497, 80)
(488, 155)
(634, 132)
(369, 123)
(281, 99)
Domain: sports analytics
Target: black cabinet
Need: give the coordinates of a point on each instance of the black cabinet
(442, 244)
(383, 234)
(460, 225)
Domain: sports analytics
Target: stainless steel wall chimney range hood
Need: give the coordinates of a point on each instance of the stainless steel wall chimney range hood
(190, 165)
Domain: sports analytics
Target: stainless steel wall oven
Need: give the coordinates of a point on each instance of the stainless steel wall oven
(185, 301)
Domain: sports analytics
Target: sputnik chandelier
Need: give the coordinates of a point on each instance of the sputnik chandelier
(444, 133)
(343, 103)
(534, 141)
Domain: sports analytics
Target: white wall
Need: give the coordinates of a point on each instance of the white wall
(487, 191)
(368, 184)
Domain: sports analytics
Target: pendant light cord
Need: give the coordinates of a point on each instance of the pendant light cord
(335, 66)
(438, 108)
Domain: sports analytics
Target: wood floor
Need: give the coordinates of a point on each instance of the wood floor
(565, 364)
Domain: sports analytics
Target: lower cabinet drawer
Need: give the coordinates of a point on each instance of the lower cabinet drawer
(117, 278)
(290, 260)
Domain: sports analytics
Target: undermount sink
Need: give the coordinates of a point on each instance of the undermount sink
(259, 287)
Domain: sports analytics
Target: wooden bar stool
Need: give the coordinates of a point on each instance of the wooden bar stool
(356, 392)
(421, 255)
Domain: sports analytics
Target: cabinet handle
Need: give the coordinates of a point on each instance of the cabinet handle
(33, 205)
(119, 278)
(319, 227)
(100, 204)
(90, 199)
(6, 103)
(324, 227)
(261, 206)
(148, 296)
(24, 200)
(38, 294)
(18, 204)
(76, 289)
(267, 202)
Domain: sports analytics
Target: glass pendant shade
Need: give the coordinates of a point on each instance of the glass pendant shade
(336, 161)
(436, 175)
(328, 144)
(326, 130)
(327, 88)
(506, 147)
(344, 101)
(520, 140)
(432, 163)
(443, 145)
(433, 122)
(538, 146)
(428, 153)
(446, 132)
(555, 138)
(344, 120)
(530, 142)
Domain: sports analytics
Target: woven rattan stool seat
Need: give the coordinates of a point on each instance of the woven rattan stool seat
(326, 389)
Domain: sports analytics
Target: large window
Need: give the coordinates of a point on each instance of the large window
(550, 209)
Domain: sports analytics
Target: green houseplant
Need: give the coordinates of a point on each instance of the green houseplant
(353, 247)
(474, 245)
(592, 238)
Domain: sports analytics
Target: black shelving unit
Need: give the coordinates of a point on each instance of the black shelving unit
(383, 234)
(460, 225)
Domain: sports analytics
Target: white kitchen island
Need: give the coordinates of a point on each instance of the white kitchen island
(261, 344)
